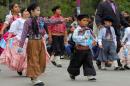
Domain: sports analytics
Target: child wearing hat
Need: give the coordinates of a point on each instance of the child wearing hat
(82, 55)
(107, 43)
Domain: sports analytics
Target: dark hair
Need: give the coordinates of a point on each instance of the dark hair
(34, 28)
(55, 8)
(107, 18)
(126, 12)
(81, 16)
(22, 10)
(32, 6)
(12, 5)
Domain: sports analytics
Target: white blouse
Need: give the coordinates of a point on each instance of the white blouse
(127, 36)
(17, 27)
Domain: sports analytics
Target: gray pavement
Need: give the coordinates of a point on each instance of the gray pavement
(59, 77)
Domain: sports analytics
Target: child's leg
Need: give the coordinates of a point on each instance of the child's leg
(75, 63)
(126, 64)
(113, 56)
(88, 67)
(56, 50)
(115, 63)
(36, 60)
(103, 67)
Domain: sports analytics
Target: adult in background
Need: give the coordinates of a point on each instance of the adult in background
(126, 15)
(110, 8)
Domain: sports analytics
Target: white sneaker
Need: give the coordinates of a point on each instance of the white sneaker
(58, 60)
(91, 78)
(61, 57)
(36, 81)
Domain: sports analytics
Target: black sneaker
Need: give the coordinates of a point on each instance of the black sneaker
(72, 77)
(126, 67)
(121, 68)
(20, 73)
(61, 57)
(116, 68)
(98, 65)
(54, 63)
(92, 79)
(59, 65)
(39, 84)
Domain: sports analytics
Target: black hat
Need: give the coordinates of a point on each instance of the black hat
(55, 8)
(81, 16)
(108, 18)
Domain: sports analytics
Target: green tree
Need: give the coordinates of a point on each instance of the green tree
(68, 6)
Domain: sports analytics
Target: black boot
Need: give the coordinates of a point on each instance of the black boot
(72, 77)
(126, 67)
(98, 64)
(54, 63)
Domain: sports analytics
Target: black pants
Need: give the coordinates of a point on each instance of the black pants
(82, 57)
(58, 45)
(118, 50)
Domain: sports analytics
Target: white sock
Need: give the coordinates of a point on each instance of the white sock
(36, 81)
(90, 77)
(115, 63)
(103, 65)
(58, 60)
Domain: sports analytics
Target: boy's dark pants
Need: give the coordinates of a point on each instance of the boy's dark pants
(58, 45)
(81, 57)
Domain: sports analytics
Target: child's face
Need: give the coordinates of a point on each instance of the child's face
(108, 23)
(84, 22)
(58, 11)
(26, 14)
(16, 8)
(36, 12)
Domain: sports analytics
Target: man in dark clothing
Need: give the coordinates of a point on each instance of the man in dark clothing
(126, 15)
(110, 8)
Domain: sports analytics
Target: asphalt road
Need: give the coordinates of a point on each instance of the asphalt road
(59, 77)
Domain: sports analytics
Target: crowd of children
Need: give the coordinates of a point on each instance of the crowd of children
(23, 44)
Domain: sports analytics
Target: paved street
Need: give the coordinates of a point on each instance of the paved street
(59, 77)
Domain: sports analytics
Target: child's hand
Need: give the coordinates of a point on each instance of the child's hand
(94, 43)
(20, 50)
(100, 46)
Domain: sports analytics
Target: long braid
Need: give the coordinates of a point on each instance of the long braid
(35, 26)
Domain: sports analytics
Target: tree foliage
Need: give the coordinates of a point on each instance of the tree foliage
(68, 6)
